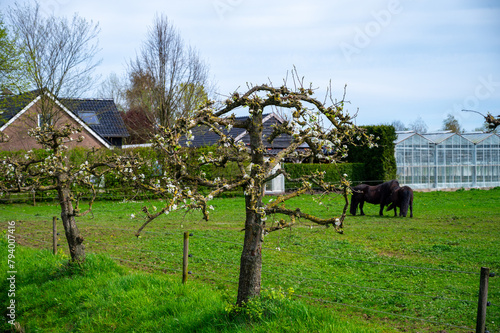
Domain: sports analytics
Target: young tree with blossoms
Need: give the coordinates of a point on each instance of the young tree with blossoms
(55, 171)
(325, 129)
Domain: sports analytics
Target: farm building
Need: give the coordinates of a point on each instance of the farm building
(448, 160)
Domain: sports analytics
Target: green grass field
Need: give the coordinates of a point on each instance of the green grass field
(386, 273)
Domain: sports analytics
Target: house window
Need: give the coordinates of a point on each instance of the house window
(44, 120)
(277, 184)
(89, 117)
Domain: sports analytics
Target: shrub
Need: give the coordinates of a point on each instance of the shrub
(333, 172)
(380, 161)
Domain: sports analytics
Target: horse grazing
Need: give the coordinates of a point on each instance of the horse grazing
(402, 197)
(378, 194)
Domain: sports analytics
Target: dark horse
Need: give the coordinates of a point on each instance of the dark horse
(402, 197)
(378, 194)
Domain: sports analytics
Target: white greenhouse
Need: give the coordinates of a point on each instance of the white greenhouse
(448, 160)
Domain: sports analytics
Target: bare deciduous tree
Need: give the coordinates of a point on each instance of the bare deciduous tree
(113, 87)
(419, 125)
(399, 125)
(58, 54)
(174, 72)
(182, 178)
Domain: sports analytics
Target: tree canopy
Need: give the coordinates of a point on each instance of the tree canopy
(58, 53)
(419, 125)
(10, 63)
(451, 124)
(167, 77)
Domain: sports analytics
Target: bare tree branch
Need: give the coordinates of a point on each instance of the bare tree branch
(491, 122)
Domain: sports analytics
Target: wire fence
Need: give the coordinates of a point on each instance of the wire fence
(313, 279)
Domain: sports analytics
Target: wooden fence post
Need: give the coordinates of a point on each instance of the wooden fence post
(54, 234)
(185, 257)
(483, 300)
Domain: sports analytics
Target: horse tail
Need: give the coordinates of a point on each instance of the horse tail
(411, 203)
(354, 204)
(405, 201)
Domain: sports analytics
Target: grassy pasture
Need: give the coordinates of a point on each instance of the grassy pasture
(403, 274)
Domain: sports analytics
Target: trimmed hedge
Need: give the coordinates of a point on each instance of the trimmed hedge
(115, 190)
(355, 172)
(380, 162)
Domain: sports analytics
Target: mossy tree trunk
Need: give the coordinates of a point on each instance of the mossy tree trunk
(73, 236)
(251, 256)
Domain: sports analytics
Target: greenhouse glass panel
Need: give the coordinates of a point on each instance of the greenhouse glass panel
(448, 160)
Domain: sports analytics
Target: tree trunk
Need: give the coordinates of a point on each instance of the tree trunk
(75, 240)
(251, 258)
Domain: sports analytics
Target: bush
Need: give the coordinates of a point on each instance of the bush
(355, 172)
(380, 161)
(115, 189)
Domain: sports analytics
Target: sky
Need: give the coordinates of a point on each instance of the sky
(402, 60)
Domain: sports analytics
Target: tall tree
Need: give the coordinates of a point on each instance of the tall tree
(399, 125)
(58, 53)
(326, 129)
(193, 98)
(139, 126)
(419, 125)
(113, 87)
(451, 124)
(58, 58)
(140, 120)
(171, 70)
(11, 66)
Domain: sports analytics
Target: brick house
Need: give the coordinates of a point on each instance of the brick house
(101, 123)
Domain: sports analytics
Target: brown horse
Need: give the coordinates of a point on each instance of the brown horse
(378, 194)
(402, 197)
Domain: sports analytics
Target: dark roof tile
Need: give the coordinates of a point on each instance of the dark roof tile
(204, 137)
(12, 104)
(110, 123)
